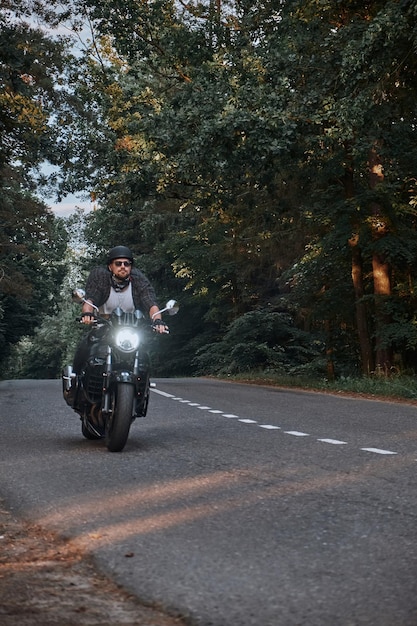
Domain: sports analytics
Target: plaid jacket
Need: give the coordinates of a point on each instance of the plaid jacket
(97, 288)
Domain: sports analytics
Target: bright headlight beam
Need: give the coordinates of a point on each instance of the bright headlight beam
(127, 340)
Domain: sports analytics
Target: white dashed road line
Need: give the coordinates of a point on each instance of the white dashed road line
(378, 451)
(294, 433)
(335, 442)
(163, 393)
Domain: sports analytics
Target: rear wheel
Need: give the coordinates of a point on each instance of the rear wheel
(118, 424)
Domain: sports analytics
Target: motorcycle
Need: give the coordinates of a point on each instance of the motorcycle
(113, 388)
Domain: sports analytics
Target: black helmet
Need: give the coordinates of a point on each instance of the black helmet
(119, 252)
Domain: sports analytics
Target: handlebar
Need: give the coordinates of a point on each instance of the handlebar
(98, 320)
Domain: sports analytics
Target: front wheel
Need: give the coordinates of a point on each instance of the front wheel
(118, 424)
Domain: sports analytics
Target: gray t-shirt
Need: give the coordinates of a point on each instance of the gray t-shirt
(122, 299)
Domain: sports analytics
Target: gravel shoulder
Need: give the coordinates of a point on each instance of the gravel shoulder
(45, 580)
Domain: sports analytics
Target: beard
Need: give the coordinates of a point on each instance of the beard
(119, 284)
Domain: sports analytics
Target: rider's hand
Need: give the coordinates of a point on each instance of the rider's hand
(159, 326)
(87, 318)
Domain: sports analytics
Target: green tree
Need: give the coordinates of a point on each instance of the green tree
(354, 80)
(251, 148)
(31, 241)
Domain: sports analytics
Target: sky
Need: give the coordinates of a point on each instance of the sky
(68, 205)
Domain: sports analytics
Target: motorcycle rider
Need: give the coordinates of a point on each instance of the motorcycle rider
(119, 284)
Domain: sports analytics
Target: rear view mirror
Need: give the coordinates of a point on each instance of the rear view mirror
(172, 307)
(78, 295)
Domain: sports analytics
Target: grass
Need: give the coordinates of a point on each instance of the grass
(396, 387)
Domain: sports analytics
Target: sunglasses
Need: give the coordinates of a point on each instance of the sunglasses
(125, 263)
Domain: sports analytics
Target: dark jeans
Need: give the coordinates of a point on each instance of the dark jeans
(92, 344)
(81, 354)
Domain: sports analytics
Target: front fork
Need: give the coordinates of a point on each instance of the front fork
(105, 406)
(126, 377)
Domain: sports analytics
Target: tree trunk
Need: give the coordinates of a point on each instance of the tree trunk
(382, 289)
(365, 346)
(381, 269)
(367, 362)
(329, 352)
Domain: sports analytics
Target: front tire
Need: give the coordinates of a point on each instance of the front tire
(118, 425)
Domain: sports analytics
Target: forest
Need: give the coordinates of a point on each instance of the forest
(259, 158)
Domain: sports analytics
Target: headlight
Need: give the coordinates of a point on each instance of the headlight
(127, 340)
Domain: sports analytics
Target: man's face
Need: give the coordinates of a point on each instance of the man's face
(120, 268)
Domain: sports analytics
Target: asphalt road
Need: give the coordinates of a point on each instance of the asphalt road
(231, 504)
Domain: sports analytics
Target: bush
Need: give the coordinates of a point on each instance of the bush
(261, 339)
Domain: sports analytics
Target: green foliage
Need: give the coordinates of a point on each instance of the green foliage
(32, 72)
(32, 241)
(397, 387)
(261, 340)
(246, 152)
(52, 346)
(32, 247)
(236, 149)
